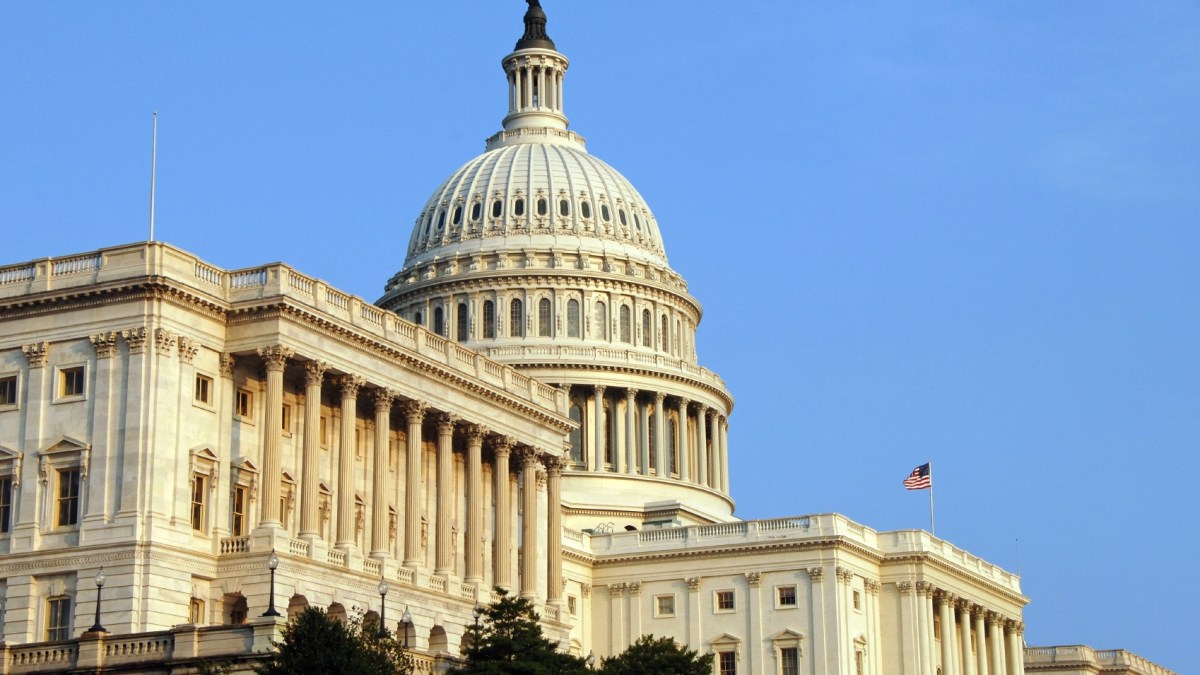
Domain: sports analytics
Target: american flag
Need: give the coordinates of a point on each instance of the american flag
(919, 479)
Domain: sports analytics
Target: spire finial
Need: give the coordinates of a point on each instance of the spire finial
(535, 29)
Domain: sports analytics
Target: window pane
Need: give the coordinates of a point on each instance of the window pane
(439, 321)
(516, 319)
(8, 390)
(68, 497)
(5, 504)
(463, 322)
(573, 318)
(625, 324)
(789, 658)
(545, 317)
(647, 329)
(489, 319)
(600, 330)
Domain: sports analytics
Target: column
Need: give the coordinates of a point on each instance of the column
(996, 641)
(631, 430)
(964, 642)
(681, 442)
(909, 629)
(445, 494)
(599, 424)
(981, 651)
(382, 465)
(414, 414)
(702, 442)
(275, 357)
(660, 435)
(1013, 630)
(725, 455)
(554, 578)
(714, 454)
(314, 374)
(475, 533)
(946, 611)
(502, 553)
(350, 384)
(925, 616)
(644, 439)
(529, 469)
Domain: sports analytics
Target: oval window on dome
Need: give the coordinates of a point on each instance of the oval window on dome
(519, 207)
(585, 209)
(604, 213)
(441, 220)
(621, 215)
(637, 222)
(564, 208)
(497, 208)
(476, 211)
(457, 215)
(542, 207)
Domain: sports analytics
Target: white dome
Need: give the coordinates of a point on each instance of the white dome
(536, 193)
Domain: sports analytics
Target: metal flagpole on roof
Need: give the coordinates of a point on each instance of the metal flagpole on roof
(153, 161)
(932, 527)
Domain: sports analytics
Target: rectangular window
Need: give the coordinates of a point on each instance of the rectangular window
(5, 504)
(67, 504)
(725, 601)
(324, 432)
(727, 663)
(198, 491)
(785, 596)
(857, 600)
(572, 606)
(664, 605)
(937, 628)
(286, 418)
(8, 390)
(70, 382)
(196, 612)
(243, 403)
(858, 663)
(58, 618)
(789, 661)
(204, 389)
(239, 511)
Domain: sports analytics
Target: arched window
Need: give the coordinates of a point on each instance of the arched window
(672, 447)
(497, 208)
(441, 220)
(516, 319)
(609, 418)
(625, 327)
(564, 207)
(604, 213)
(542, 206)
(545, 317)
(621, 214)
(664, 337)
(585, 209)
(652, 437)
(519, 207)
(573, 318)
(476, 211)
(489, 319)
(439, 321)
(464, 323)
(600, 330)
(457, 215)
(647, 329)
(678, 330)
(418, 319)
(576, 436)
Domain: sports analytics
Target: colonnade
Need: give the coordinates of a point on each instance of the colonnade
(623, 441)
(960, 636)
(531, 463)
(535, 86)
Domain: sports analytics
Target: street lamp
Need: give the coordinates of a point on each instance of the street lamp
(383, 589)
(272, 564)
(477, 612)
(96, 627)
(405, 621)
(591, 660)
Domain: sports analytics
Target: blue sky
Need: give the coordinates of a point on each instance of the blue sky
(959, 231)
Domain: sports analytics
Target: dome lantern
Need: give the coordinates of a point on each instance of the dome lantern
(535, 72)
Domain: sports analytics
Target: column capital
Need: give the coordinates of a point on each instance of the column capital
(904, 587)
(978, 612)
(383, 398)
(599, 389)
(871, 585)
(188, 348)
(616, 590)
(527, 455)
(845, 575)
(36, 353)
(659, 397)
(135, 337)
(314, 372)
(350, 384)
(555, 465)
(104, 343)
(994, 619)
(446, 422)
(634, 587)
(165, 341)
(502, 445)
(944, 597)
(477, 432)
(816, 574)
(963, 605)
(631, 393)
(414, 411)
(228, 361)
(275, 356)
(1014, 626)
(754, 579)
(693, 583)
(684, 402)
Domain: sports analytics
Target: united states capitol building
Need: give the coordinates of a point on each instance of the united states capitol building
(523, 408)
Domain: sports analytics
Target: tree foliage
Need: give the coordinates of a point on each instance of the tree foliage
(508, 640)
(657, 656)
(315, 643)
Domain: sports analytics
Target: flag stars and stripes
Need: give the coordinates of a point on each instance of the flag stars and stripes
(919, 479)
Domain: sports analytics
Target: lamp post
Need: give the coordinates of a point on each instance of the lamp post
(477, 612)
(591, 660)
(383, 589)
(96, 627)
(272, 564)
(405, 621)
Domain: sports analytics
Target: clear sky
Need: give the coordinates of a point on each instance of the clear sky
(962, 231)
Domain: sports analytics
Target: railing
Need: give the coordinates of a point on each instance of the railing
(208, 273)
(302, 284)
(75, 265)
(248, 278)
(438, 583)
(38, 657)
(235, 545)
(372, 566)
(125, 649)
(15, 274)
(299, 547)
(406, 575)
(337, 299)
(1084, 656)
(336, 557)
(467, 591)
(371, 314)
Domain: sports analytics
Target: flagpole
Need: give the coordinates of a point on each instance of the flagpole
(153, 161)
(932, 526)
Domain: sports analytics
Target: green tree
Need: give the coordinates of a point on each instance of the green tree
(316, 644)
(508, 641)
(657, 656)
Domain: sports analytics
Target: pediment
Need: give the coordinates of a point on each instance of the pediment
(246, 465)
(204, 452)
(288, 478)
(726, 639)
(6, 454)
(324, 488)
(66, 444)
(787, 634)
